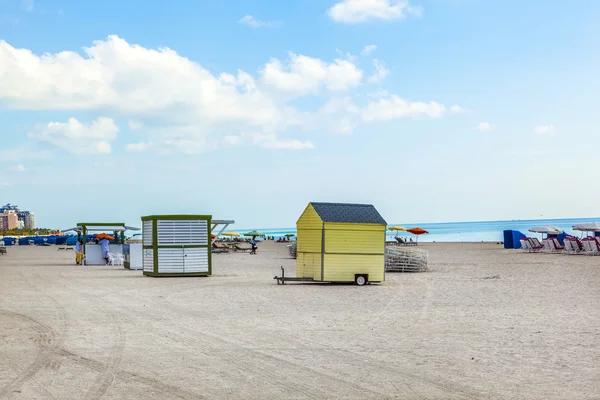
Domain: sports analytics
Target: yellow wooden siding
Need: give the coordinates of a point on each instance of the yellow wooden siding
(362, 242)
(309, 241)
(307, 264)
(309, 219)
(342, 226)
(343, 267)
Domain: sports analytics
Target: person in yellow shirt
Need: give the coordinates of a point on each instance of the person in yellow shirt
(78, 252)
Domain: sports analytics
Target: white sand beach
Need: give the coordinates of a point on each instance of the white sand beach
(484, 323)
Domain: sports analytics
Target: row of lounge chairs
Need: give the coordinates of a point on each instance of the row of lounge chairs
(573, 245)
(226, 247)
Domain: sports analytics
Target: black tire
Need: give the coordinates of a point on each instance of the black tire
(361, 280)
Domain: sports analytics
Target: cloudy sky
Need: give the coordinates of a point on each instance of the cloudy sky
(432, 110)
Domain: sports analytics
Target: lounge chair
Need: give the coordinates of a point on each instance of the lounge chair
(219, 248)
(525, 245)
(532, 245)
(573, 244)
(591, 246)
(557, 246)
(3, 250)
(548, 245)
(242, 247)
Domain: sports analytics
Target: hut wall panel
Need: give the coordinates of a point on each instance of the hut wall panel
(343, 267)
(355, 241)
(148, 260)
(147, 233)
(196, 260)
(309, 241)
(184, 232)
(182, 260)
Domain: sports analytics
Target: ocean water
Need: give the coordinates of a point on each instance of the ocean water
(487, 231)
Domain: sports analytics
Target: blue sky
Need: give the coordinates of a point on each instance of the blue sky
(440, 110)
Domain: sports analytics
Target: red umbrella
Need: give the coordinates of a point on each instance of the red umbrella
(417, 231)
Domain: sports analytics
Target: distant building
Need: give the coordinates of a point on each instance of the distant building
(26, 218)
(9, 219)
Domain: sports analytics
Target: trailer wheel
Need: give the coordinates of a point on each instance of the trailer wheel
(361, 280)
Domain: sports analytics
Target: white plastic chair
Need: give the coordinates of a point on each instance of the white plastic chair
(111, 259)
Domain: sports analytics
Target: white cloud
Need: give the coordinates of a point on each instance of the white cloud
(354, 11)
(135, 125)
(181, 106)
(5, 185)
(28, 5)
(18, 168)
(485, 127)
(394, 107)
(549, 130)
(380, 72)
(456, 109)
(138, 147)
(304, 75)
(252, 22)
(368, 49)
(270, 141)
(78, 138)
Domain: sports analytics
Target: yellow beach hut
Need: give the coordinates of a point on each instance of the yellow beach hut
(341, 243)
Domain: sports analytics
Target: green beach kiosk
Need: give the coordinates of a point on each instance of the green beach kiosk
(341, 243)
(177, 245)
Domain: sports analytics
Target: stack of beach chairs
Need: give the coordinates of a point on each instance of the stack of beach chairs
(403, 259)
(292, 250)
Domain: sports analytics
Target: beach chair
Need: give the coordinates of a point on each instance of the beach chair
(219, 248)
(548, 246)
(576, 244)
(558, 248)
(569, 246)
(3, 250)
(525, 245)
(242, 247)
(535, 245)
(591, 246)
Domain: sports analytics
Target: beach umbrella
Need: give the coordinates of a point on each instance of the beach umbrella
(213, 236)
(254, 233)
(417, 231)
(587, 227)
(103, 236)
(231, 234)
(546, 229)
(397, 228)
(289, 234)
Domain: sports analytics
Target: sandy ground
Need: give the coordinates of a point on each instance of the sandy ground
(485, 323)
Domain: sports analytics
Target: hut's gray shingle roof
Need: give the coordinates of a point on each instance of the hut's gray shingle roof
(350, 213)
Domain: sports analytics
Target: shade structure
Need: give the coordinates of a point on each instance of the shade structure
(231, 234)
(588, 227)
(546, 229)
(397, 228)
(254, 233)
(417, 231)
(289, 234)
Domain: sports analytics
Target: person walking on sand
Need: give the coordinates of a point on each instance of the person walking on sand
(105, 249)
(78, 252)
(253, 243)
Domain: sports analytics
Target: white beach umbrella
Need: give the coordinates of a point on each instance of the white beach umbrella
(588, 227)
(546, 229)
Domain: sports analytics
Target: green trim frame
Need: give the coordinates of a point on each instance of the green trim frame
(177, 217)
(155, 246)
